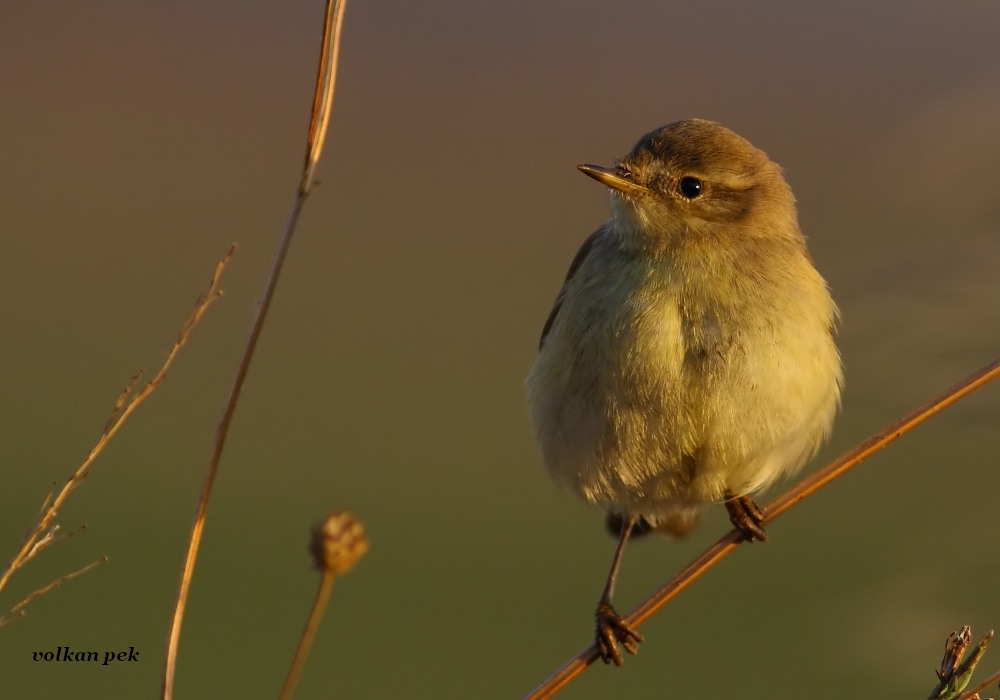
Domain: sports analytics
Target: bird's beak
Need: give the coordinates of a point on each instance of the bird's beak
(613, 178)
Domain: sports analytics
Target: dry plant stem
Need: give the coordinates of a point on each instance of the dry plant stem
(198, 527)
(320, 116)
(16, 612)
(42, 534)
(308, 634)
(326, 79)
(798, 493)
(969, 694)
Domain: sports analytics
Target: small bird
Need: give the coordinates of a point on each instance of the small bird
(689, 357)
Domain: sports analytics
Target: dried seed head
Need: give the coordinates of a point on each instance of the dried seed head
(954, 650)
(338, 542)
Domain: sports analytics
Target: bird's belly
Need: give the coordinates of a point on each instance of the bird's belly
(609, 410)
(672, 428)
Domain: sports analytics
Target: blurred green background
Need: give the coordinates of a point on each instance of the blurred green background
(140, 139)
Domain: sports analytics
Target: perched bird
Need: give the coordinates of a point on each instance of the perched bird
(689, 358)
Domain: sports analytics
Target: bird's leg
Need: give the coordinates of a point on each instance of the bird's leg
(614, 521)
(746, 516)
(612, 628)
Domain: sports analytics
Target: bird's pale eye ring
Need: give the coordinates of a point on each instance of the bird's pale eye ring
(690, 187)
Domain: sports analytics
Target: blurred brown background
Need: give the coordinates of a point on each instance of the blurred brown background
(140, 139)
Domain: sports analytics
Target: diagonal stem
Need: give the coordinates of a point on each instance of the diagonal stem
(320, 115)
(970, 694)
(308, 635)
(198, 527)
(42, 533)
(790, 498)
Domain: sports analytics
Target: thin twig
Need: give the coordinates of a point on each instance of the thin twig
(49, 539)
(40, 543)
(43, 532)
(795, 495)
(969, 695)
(17, 611)
(308, 634)
(322, 104)
(46, 502)
(122, 399)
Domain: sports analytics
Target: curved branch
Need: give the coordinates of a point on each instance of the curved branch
(790, 498)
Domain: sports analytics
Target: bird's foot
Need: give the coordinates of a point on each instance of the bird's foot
(612, 630)
(746, 516)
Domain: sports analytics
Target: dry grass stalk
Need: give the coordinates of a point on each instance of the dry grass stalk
(17, 611)
(320, 117)
(43, 533)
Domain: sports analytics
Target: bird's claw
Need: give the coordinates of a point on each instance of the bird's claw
(746, 516)
(612, 630)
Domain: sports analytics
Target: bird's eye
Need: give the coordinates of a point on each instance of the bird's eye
(690, 187)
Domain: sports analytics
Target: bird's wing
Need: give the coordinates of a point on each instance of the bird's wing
(581, 254)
